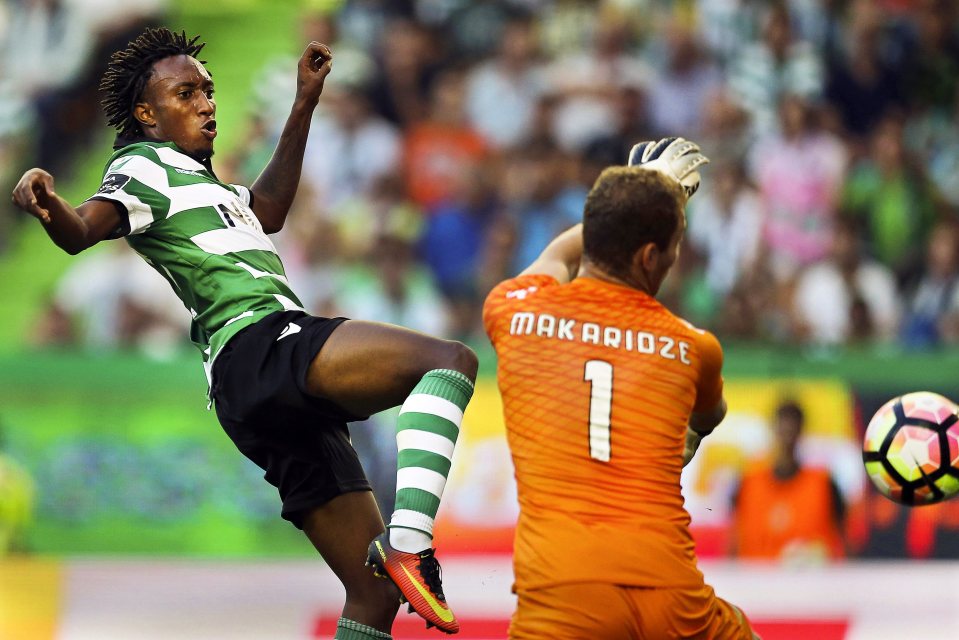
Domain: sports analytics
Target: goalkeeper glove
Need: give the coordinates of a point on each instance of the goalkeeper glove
(677, 158)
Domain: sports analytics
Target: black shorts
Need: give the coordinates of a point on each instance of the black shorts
(300, 441)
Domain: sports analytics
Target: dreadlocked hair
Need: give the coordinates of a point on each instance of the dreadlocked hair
(129, 70)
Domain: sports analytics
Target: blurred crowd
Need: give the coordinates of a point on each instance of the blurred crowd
(455, 138)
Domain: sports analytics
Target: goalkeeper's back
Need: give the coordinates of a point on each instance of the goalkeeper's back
(598, 382)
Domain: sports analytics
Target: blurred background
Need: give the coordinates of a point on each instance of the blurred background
(454, 139)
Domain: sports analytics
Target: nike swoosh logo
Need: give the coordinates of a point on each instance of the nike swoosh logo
(289, 331)
(444, 614)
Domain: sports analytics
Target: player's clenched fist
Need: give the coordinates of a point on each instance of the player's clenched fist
(33, 193)
(315, 64)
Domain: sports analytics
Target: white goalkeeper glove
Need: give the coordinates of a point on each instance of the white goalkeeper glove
(677, 158)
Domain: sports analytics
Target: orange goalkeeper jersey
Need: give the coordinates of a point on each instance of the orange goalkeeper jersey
(598, 381)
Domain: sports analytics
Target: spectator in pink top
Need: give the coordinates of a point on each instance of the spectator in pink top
(799, 171)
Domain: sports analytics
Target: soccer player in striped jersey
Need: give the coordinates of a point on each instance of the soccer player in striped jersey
(606, 395)
(283, 383)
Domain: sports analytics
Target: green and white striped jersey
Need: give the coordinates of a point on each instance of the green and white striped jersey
(199, 234)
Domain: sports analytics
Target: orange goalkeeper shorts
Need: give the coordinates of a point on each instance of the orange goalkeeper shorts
(597, 611)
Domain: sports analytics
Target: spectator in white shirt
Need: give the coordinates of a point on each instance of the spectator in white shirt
(846, 298)
(501, 93)
(725, 222)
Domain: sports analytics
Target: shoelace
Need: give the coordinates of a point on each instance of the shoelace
(432, 573)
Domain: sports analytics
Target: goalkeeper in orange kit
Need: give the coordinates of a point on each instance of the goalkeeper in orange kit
(606, 396)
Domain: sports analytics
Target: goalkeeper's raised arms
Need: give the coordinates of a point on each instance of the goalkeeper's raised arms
(676, 157)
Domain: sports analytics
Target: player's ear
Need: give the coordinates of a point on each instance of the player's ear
(647, 258)
(143, 113)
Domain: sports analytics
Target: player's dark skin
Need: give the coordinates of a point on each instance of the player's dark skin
(365, 367)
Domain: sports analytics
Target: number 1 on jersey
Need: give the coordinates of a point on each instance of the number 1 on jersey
(599, 374)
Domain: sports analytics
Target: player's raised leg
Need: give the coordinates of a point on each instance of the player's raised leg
(366, 367)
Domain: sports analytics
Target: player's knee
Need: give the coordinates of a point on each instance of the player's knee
(449, 354)
(463, 359)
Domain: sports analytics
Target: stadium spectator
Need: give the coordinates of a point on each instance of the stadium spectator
(726, 132)
(440, 147)
(632, 123)
(366, 22)
(822, 23)
(365, 145)
(725, 26)
(931, 68)
(799, 173)
(273, 89)
(112, 299)
(539, 199)
(784, 510)
(586, 84)
(725, 223)
(318, 21)
(777, 65)
(889, 195)
(568, 25)
(344, 240)
(474, 30)
(932, 314)
(501, 93)
(932, 139)
(679, 91)
(390, 284)
(454, 244)
(50, 60)
(757, 308)
(862, 84)
(408, 58)
(45, 49)
(863, 302)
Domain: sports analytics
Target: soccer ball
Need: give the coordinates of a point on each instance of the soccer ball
(911, 449)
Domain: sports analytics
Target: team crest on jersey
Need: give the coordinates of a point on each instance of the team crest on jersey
(113, 182)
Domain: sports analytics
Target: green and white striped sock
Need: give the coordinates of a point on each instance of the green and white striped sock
(426, 433)
(347, 629)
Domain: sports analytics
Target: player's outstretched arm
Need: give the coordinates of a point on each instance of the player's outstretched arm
(561, 257)
(274, 190)
(73, 230)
